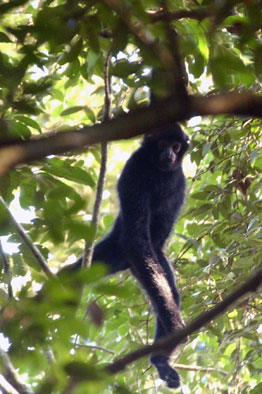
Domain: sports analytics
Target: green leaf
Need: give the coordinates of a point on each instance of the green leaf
(71, 173)
(112, 290)
(79, 230)
(91, 115)
(58, 94)
(196, 67)
(70, 56)
(72, 110)
(29, 258)
(91, 60)
(4, 37)
(124, 68)
(11, 4)
(236, 70)
(203, 209)
(29, 122)
(20, 129)
(200, 195)
(72, 71)
(82, 371)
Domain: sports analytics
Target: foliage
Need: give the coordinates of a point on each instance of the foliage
(52, 57)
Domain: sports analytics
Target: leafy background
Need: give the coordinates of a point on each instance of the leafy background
(52, 56)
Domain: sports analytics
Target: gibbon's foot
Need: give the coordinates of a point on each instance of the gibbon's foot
(165, 372)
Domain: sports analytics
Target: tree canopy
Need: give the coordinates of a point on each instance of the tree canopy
(75, 75)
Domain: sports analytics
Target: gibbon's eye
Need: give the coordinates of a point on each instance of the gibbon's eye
(176, 147)
(162, 144)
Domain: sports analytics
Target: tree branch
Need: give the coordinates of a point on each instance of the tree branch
(6, 386)
(169, 343)
(28, 242)
(198, 14)
(96, 347)
(7, 273)
(128, 125)
(231, 103)
(11, 376)
(198, 368)
(168, 56)
(143, 35)
(178, 73)
(89, 248)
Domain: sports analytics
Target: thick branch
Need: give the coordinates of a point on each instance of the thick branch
(169, 343)
(178, 74)
(129, 125)
(124, 126)
(231, 103)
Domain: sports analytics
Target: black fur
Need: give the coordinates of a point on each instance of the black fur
(151, 191)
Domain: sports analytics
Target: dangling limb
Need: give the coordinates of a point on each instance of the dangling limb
(170, 315)
(169, 273)
(161, 362)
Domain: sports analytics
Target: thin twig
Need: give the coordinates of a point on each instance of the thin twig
(154, 384)
(7, 272)
(89, 249)
(135, 328)
(28, 242)
(198, 368)
(96, 347)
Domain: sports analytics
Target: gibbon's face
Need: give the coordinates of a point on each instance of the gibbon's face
(167, 147)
